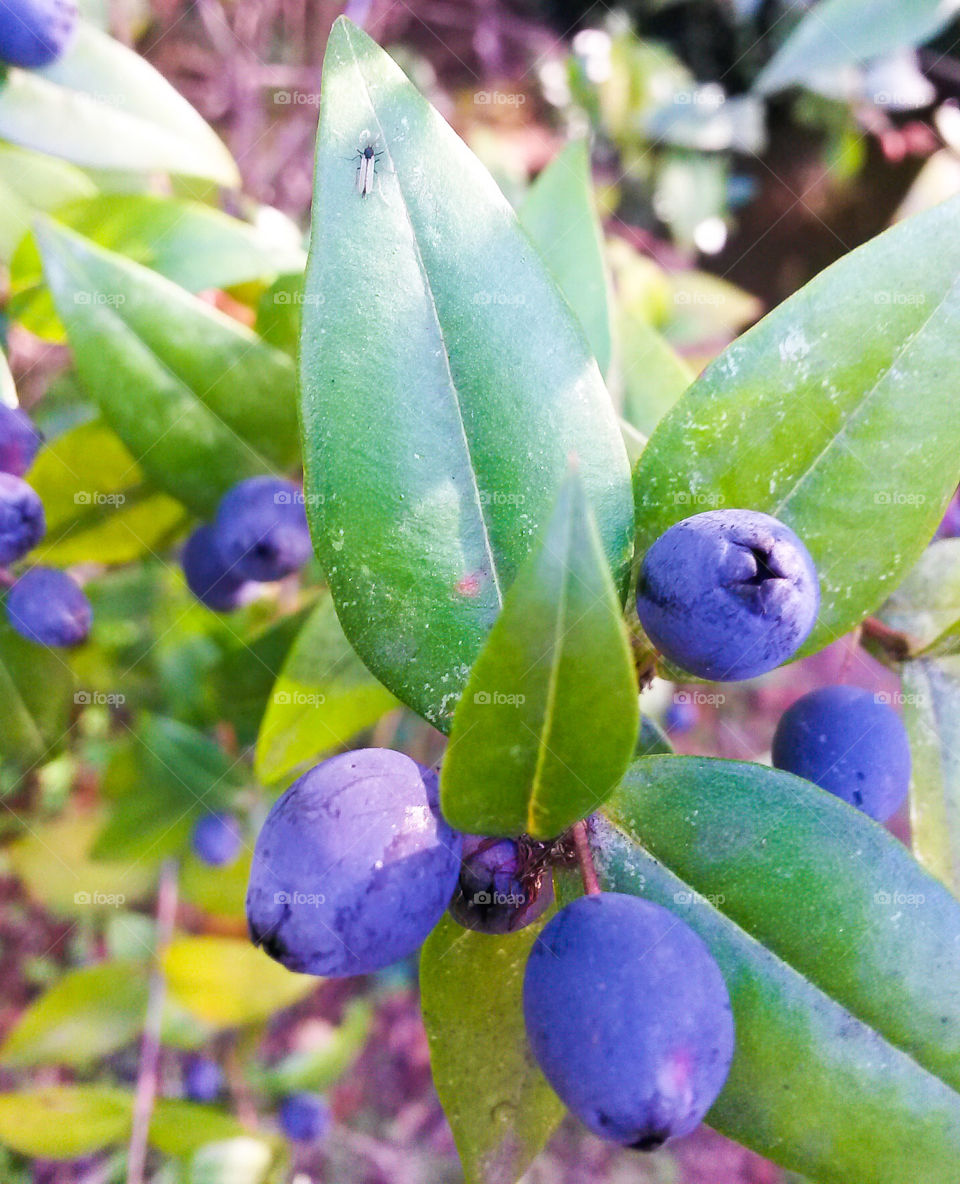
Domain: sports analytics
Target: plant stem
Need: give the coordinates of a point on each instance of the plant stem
(896, 645)
(150, 1047)
(581, 843)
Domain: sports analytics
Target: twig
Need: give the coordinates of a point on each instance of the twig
(150, 1048)
(894, 644)
(581, 845)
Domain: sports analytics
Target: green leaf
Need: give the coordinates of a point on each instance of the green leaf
(559, 215)
(548, 722)
(653, 375)
(931, 712)
(179, 1128)
(834, 414)
(840, 954)
(97, 502)
(191, 244)
(835, 33)
(218, 890)
(198, 399)
(278, 313)
(36, 697)
(498, 1103)
(230, 1161)
(320, 1067)
(322, 698)
(926, 606)
(227, 982)
(85, 1015)
(161, 781)
(103, 106)
(30, 182)
(64, 1121)
(433, 458)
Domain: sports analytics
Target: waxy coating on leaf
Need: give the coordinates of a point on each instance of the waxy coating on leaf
(216, 839)
(35, 33)
(304, 1117)
(261, 529)
(22, 521)
(354, 865)
(19, 441)
(202, 1079)
(503, 885)
(629, 1018)
(208, 578)
(49, 607)
(850, 743)
(728, 594)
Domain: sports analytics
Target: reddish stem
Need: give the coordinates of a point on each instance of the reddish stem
(897, 645)
(581, 843)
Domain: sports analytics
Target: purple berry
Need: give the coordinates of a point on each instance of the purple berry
(207, 577)
(502, 885)
(728, 594)
(849, 743)
(19, 441)
(202, 1079)
(681, 716)
(216, 839)
(261, 529)
(49, 607)
(354, 865)
(629, 1018)
(949, 528)
(22, 521)
(304, 1117)
(35, 33)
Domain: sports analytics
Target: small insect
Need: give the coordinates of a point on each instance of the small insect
(366, 169)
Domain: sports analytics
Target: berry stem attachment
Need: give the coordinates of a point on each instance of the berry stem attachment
(588, 872)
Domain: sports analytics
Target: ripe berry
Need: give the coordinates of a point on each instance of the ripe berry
(207, 577)
(261, 529)
(216, 839)
(19, 440)
(354, 865)
(202, 1079)
(849, 743)
(48, 607)
(728, 594)
(950, 525)
(22, 521)
(304, 1117)
(502, 885)
(629, 1018)
(36, 32)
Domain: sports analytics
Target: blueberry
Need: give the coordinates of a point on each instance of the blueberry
(628, 1017)
(202, 1079)
(36, 32)
(502, 885)
(681, 716)
(949, 527)
(849, 743)
(49, 607)
(304, 1117)
(19, 439)
(207, 577)
(728, 594)
(216, 839)
(261, 529)
(354, 865)
(22, 522)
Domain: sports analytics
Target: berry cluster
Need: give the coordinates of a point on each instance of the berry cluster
(44, 605)
(259, 535)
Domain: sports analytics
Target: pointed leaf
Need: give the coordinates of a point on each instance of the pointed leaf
(498, 1103)
(36, 697)
(931, 711)
(104, 106)
(835, 413)
(179, 1128)
(323, 696)
(31, 182)
(86, 1014)
(548, 722)
(198, 400)
(64, 1121)
(926, 606)
(444, 383)
(654, 377)
(559, 215)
